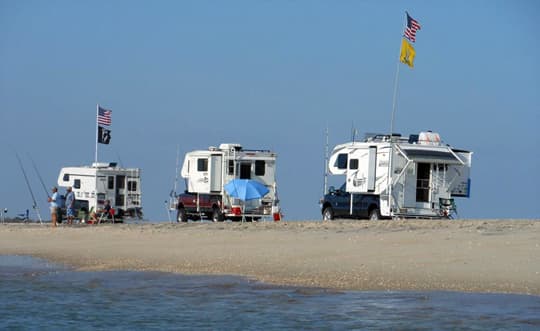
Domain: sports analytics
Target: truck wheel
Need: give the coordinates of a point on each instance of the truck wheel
(375, 214)
(181, 216)
(328, 214)
(217, 215)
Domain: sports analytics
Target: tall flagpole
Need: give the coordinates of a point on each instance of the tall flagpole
(391, 154)
(396, 85)
(97, 129)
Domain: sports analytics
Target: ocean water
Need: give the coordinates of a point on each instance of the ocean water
(37, 295)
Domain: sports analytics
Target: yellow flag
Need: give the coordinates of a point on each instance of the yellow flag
(407, 53)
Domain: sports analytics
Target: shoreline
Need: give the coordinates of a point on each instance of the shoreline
(489, 256)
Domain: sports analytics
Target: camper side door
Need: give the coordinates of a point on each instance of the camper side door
(361, 172)
(461, 175)
(199, 174)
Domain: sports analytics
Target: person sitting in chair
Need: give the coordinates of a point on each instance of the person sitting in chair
(92, 216)
(106, 211)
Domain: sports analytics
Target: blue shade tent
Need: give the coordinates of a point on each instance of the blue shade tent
(246, 189)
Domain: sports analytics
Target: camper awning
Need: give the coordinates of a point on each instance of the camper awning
(431, 155)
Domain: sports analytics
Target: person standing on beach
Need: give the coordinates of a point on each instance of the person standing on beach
(70, 205)
(54, 206)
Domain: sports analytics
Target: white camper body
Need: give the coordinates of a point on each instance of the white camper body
(94, 184)
(413, 177)
(207, 172)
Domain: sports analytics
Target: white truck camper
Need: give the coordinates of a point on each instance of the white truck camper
(206, 172)
(414, 177)
(95, 184)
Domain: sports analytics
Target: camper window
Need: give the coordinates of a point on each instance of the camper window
(231, 167)
(110, 182)
(202, 164)
(245, 170)
(259, 168)
(353, 164)
(77, 183)
(66, 178)
(101, 198)
(132, 186)
(341, 161)
(120, 181)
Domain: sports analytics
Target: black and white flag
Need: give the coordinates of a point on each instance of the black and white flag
(104, 135)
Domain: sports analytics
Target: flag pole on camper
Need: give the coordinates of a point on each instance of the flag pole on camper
(390, 156)
(396, 84)
(97, 138)
(406, 56)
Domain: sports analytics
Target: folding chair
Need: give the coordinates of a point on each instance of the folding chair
(447, 208)
(107, 216)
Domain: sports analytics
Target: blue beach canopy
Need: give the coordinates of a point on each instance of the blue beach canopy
(246, 189)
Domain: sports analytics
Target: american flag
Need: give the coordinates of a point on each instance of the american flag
(412, 26)
(104, 116)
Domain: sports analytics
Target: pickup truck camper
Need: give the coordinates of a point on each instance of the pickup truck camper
(390, 176)
(95, 184)
(207, 172)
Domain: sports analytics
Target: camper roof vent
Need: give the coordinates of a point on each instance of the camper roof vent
(376, 137)
(413, 138)
(212, 148)
(429, 138)
(100, 165)
(104, 164)
(231, 147)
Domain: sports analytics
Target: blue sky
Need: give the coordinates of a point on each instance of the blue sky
(270, 75)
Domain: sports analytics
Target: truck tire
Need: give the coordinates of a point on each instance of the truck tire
(217, 215)
(375, 214)
(328, 214)
(181, 216)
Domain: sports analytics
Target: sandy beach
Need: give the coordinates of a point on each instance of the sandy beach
(467, 255)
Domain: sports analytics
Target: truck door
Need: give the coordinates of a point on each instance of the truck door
(341, 203)
(359, 208)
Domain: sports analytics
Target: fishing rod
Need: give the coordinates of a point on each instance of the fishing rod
(40, 178)
(172, 195)
(35, 206)
(325, 183)
(120, 160)
(176, 168)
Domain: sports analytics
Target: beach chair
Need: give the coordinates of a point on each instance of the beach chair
(82, 215)
(447, 208)
(107, 216)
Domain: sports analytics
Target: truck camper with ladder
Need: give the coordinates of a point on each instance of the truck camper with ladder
(390, 176)
(206, 173)
(95, 184)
